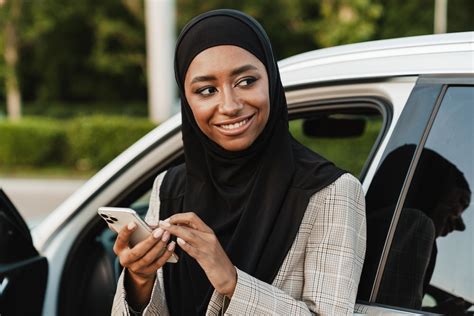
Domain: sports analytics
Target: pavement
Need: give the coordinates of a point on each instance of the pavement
(36, 198)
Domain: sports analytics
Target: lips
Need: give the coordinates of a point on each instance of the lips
(235, 126)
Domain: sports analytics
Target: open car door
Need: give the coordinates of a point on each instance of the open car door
(23, 272)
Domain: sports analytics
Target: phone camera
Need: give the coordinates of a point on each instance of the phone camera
(113, 218)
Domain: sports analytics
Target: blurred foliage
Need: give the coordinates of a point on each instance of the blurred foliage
(88, 57)
(32, 142)
(82, 51)
(411, 18)
(83, 143)
(295, 26)
(77, 52)
(71, 110)
(95, 141)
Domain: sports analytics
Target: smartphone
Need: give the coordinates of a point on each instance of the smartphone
(118, 217)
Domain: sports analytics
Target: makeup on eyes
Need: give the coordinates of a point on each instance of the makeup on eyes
(250, 81)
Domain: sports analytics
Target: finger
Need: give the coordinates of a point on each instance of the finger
(112, 228)
(159, 262)
(189, 249)
(151, 256)
(190, 219)
(123, 237)
(188, 234)
(137, 252)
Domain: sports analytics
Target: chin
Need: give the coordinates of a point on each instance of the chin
(238, 145)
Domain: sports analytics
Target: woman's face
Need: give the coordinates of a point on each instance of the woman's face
(227, 90)
(447, 214)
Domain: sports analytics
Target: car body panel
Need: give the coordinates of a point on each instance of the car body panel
(381, 59)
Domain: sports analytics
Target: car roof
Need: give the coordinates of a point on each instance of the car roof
(451, 53)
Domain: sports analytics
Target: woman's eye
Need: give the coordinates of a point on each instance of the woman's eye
(246, 81)
(206, 91)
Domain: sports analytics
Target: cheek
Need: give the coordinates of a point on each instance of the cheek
(263, 102)
(202, 115)
(264, 97)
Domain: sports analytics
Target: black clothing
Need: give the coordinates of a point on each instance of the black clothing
(254, 199)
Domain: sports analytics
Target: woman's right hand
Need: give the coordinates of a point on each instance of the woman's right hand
(142, 261)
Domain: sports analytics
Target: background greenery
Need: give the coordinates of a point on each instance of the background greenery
(82, 58)
(348, 153)
(82, 144)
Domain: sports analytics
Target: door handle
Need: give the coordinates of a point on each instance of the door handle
(4, 285)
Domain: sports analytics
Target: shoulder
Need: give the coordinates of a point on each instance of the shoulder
(344, 184)
(344, 189)
(347, 184)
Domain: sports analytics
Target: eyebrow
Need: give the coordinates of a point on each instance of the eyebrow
(234, 72)
(242, 69)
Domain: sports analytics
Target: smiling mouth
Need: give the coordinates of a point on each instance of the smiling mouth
(236, 128)
(235, 125)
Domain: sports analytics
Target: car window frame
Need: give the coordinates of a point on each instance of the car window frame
(440, 83)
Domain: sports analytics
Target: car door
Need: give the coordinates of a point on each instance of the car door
(419, 195)
(23, 271)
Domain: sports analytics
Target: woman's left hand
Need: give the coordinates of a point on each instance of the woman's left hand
(200, 242)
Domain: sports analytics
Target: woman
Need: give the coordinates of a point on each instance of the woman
(263, 224)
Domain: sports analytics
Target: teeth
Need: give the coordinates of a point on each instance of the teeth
(235, 125)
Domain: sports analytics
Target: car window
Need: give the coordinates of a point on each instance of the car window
(141, 204)
(387, 183)
(431, 259)
(340, 136)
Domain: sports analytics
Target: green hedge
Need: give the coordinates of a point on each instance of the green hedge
(94, 141)
(32, 142)
(85, 143)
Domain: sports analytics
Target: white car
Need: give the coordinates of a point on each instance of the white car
(387, 111)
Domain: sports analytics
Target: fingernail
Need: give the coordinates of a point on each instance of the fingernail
(180, 241)
(157, 233)
(131, 225)
(165, 237)
(165, 224)
(167, 220)
(171, 246)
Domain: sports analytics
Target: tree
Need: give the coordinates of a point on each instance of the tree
(84, 51)
(296, 26)
(10, 44)
(411, 18)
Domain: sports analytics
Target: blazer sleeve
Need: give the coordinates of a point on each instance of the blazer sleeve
(333, 259)
(157, 304)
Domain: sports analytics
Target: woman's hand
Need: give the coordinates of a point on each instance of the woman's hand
(142, 261)
(200, 242)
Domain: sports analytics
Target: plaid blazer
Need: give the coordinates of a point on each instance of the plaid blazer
(319, 275)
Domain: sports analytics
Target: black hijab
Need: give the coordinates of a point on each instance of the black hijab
(254, 199)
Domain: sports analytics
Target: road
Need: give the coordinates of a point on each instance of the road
(35, 198)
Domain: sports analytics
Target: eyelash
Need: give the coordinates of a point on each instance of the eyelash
(249, 80)
(201, 90)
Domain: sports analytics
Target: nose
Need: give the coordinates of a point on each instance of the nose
(230, 104)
